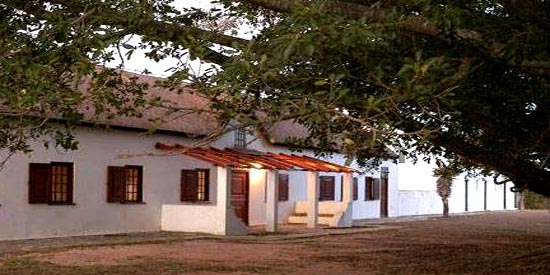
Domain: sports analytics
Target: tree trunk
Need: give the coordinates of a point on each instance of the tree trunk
(445, 207)
(444, 184)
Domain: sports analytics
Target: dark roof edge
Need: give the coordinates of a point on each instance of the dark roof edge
(131, 129)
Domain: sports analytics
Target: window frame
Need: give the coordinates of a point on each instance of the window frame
(283, 187)
(239, 139)
(196, 186)
(372, 189)
(326, 197)
(117, 192)
(44, 192)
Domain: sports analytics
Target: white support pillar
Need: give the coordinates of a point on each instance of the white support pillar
(312, 198)
(347, 185)
(230, 223)
(272, 198)
(347, 200)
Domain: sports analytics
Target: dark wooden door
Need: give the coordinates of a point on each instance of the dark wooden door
(239, 194)
(383, 197)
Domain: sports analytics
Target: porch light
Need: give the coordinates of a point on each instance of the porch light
(256, 165)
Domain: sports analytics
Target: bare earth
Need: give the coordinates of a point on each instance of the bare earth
(490, 243)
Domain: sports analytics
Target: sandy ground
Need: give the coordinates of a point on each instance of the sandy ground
(489, 243)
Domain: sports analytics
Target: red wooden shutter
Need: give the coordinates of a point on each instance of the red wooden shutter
(39, 182)
(70, 182)
(116, 181)
(206, 185)
(355, 189)
(283, 187)
(327, 188)
(189, 185)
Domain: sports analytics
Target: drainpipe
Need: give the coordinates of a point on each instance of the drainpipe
(465, 193)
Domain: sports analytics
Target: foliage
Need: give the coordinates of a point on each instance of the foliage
(535, 201)
(467, 81)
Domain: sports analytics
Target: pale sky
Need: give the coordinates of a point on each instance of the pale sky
(138, 61)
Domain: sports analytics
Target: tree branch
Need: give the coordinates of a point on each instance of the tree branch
(413, 24)
(146, 26)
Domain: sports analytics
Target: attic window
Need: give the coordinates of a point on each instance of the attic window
(240, 139)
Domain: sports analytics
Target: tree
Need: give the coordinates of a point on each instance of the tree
(446, 175)
(460, 80)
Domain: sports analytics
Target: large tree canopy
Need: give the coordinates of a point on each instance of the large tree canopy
(466, 80)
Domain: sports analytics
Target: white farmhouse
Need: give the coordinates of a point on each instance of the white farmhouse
(122, 179)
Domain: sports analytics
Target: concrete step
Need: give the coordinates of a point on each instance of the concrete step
(305, 215)
(303, 219)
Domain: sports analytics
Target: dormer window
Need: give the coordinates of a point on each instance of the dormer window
(240, 139)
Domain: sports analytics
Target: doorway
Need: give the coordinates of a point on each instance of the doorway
(240, 194)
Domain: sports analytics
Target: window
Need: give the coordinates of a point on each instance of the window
(125, 184)
(240, 139)
(283, 187)
(372, 189)
(195, 185)
(51, 183)
(326, 188)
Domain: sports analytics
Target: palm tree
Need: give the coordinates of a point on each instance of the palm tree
(446, 174)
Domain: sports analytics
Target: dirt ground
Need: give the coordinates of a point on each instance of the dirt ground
(490, 243)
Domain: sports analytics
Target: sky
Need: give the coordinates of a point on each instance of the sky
(138, 61)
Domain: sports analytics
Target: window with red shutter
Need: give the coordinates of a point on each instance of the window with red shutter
(326, 188)
(369, 188)
(51, 183)
(195, 185)
(283, 187)
(125, 184)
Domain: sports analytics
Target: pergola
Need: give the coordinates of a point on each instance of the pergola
(255, 159)
(273, 162)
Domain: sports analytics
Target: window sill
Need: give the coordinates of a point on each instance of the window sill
(197, 203)
(132, 202)
(60, 203)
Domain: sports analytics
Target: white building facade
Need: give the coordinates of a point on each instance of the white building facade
(418, 196)
(118, 182)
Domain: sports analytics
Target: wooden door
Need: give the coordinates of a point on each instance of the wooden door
(239, 194)
(383, 197)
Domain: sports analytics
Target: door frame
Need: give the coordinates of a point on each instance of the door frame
(384, 198)
(245, 219)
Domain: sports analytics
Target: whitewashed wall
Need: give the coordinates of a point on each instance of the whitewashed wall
(362, 209)
(417, 192)
(91, 214)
